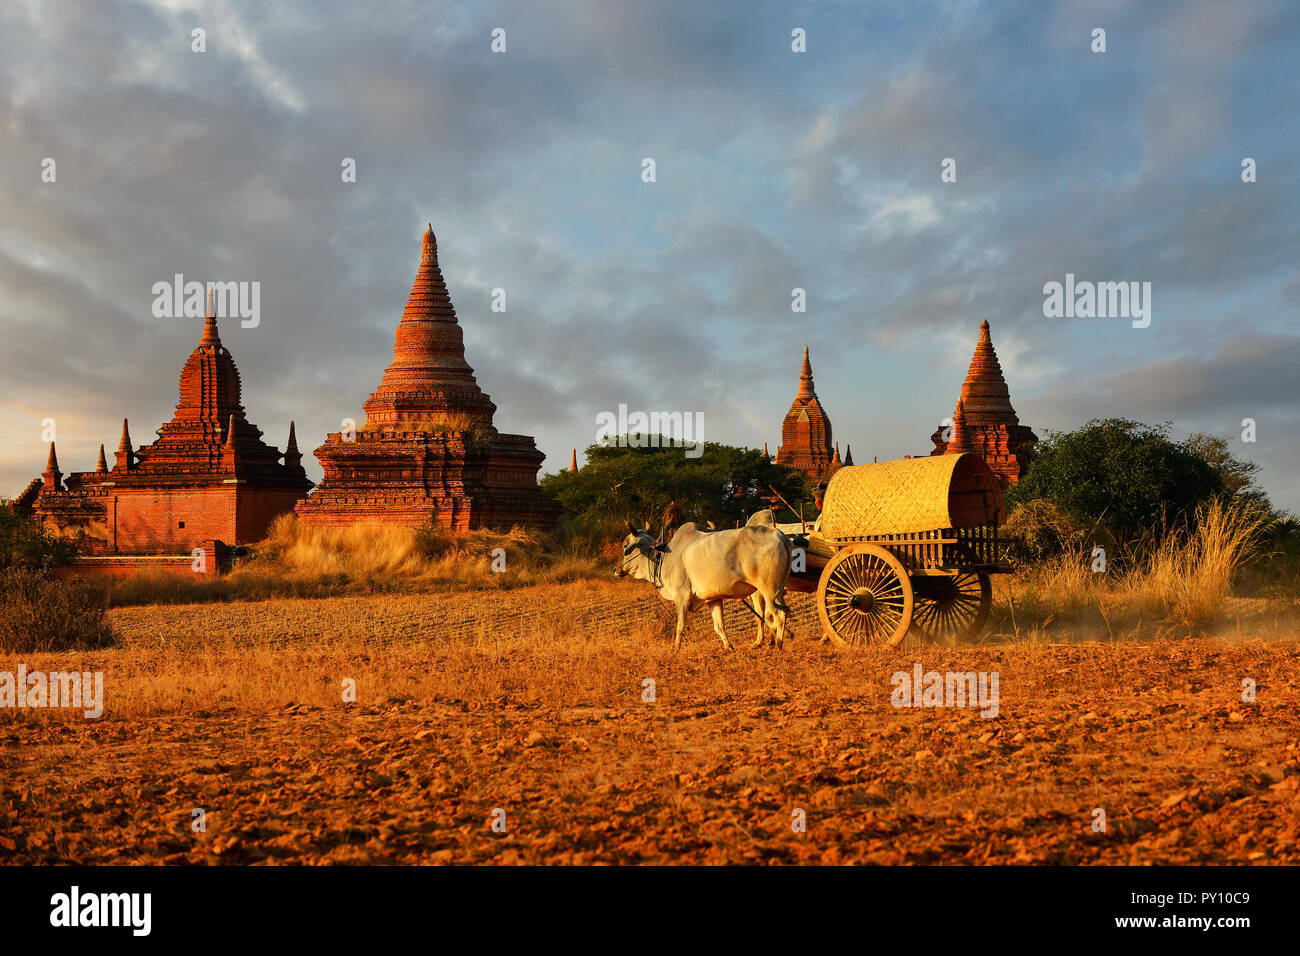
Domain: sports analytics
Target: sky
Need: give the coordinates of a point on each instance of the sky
(774, 170)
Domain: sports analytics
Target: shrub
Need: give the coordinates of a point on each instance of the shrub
(1132, 477)
(1191, 572)
(24, 543)
(1039, 530)
(39, 613)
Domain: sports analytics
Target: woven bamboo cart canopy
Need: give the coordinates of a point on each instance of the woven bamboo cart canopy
(912, 494)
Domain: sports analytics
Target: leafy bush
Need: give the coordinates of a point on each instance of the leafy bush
(1131, 478)
(24, 543)
(39, 613)
(1039, 530)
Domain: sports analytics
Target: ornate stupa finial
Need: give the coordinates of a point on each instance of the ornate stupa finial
(210, 336)
(805, 376)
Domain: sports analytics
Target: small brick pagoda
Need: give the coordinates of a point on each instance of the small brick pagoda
(428, 451)
(806, 431)
(208, 476)
(984, 420)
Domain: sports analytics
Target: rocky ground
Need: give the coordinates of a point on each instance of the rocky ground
(733, 753)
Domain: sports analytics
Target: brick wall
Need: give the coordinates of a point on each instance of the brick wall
(149, 521)
(255, 511)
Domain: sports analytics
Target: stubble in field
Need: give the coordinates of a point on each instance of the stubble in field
(555, 724)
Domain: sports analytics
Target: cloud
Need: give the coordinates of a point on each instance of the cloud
(776, 170)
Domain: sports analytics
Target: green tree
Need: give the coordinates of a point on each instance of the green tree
(1129, 477)
(1238, 477)
(725, 485)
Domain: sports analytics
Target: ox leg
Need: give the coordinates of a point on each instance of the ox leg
(777, 608)
(717, 625)
(762, 616)
(775, 616)
(681, 626)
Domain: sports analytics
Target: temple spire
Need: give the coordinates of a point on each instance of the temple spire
(984, 421)
(292, 456)
(805, 377)
(848, 455)
(985, 392)
(101, 466)
(210, 336)
(124, 453)
(806, 430)
(52, 477)
(960, 441)
(573, 461)
(429, 382)
(230, 456)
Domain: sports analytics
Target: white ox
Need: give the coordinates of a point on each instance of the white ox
(698, 568)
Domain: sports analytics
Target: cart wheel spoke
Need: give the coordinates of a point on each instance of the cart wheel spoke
(865, 596)
(953, 608)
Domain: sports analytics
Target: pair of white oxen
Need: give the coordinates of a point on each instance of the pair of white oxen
(698, 568)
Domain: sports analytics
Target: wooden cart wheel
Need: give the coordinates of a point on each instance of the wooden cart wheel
(952, 607)
(864, 597)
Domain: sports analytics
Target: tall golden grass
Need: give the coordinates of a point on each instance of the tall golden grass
(1180, 585)
(295, 560)
(1191, 571)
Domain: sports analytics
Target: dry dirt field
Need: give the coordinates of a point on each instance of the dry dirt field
(528, 703)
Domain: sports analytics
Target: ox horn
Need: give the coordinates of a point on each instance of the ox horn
(632, 528)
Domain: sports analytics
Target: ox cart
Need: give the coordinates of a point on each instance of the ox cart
(905, 546)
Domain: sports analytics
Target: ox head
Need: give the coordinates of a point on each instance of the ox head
(640, 553)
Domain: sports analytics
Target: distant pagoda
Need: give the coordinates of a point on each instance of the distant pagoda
(208, 476)
(428, 451)
(806, 431)
(984, 421)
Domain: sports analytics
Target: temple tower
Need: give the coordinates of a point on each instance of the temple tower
(208, 475)
(806, 430)
(984, 421)
(428, 451)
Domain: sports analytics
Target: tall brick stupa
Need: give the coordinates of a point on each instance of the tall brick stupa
(984, 421)
(806, 431)
(428, 451)
(208, 476)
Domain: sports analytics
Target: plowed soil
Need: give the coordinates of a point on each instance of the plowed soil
(550, 733)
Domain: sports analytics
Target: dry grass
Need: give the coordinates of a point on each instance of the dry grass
(295, 560)
(1180, 588)
(1192, 571)
(38, 613)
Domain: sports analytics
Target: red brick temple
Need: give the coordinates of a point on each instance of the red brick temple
(984, 420)
(428, 451)
(806, 431)
(207, 477)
